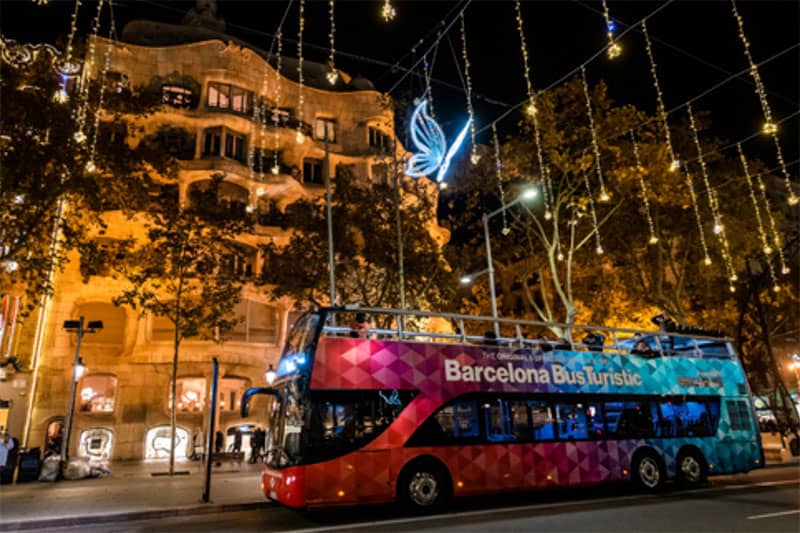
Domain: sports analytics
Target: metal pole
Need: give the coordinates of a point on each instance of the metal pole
(71, 404)
(399, 221)
(328, 202)
(490, 268)
(211, 428)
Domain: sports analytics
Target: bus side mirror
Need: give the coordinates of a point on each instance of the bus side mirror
(244, 409)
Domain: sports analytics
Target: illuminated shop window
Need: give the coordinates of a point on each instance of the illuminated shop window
(190, 394)
(96, 443)
(157, 443)
(97, 394)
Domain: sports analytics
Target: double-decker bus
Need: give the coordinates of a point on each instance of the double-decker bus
(405, 414)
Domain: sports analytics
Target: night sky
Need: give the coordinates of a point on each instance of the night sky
(695, 45)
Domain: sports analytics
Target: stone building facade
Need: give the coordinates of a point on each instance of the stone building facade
(210, 83)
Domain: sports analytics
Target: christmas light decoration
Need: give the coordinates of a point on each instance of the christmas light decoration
(83, 107)
(674, 164)
(759, 222)
(614, 49)
(687, 176)
(713, 201)
(90, 165)
(332, 74)
(645, 201)
(432, 152)
(299, 137)
(776, 239)
(428, 91)
(473, 157)
(770, 127)
(275, 115)
(531, 111)
(599, 247)
(387, 11)
(498, 165)
(604, 197)
(66, 67)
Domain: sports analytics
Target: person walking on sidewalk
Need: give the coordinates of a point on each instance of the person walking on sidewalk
(6, 445)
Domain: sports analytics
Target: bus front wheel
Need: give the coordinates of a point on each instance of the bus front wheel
(647, 470)
(424, 486)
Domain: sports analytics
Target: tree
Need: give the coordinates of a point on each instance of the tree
(183, 270)
(366, 245)
(49, 202)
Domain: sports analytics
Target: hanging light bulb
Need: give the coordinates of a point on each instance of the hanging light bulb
(653, 240)
(707, 261)
(793, 199)
(599, 250)
(250, 208)
(505, 231)
(604, 197)
(769, 128)
(332, 76)
(675, 165)
(732, 288)
(443, 185)
(260, 191)
(91, 168)
(474, 158)
(785, 270)
(61, 96)
(548, 215)
(276, 170)
(299, 137)
(768, 249)
(387, 11)
(530, 109)
(718, 228)
(614, 50)
(560, 256)
(734, 277)
(79, 136)
(776, 288)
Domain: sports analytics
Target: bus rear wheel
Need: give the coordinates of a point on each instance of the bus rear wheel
(647, 471)
(692, 468)
(424, 486)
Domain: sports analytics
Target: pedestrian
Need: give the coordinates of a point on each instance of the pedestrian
(359, 328)
(237, 441)
(7, 444)
(197, 438)
(219, 441)
(490, 339)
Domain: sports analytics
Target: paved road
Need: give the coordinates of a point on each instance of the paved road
(762, 501)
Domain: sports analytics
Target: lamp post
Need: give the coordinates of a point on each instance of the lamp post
(270, 375)
(527, 194)
(466, 279)
(78, 371)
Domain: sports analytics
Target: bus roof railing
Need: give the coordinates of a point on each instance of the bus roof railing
(612, 334)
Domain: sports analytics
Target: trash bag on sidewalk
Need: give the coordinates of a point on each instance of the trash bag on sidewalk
(50, 468)
(81, 468)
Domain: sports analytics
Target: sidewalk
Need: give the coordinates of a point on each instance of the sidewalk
(130, 493)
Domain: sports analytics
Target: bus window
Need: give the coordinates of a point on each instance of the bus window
(456, 423)
(694, 418)
(520, 423)
(578, 421)
(542, 420)
(632, 419)
(496, 421)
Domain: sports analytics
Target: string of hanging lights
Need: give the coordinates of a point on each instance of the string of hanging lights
(713, 203)
(275, 115)
(595, 227)
(474, 157)
(300, 137)
(674, 164)
(604, 197)
(332, 74)
(498, 166)
(90, 163)
(770, 127)
(614, 49)
(530, 110)
(83, 92)
(640, 171)
(65, 67)
(776, 238)
(765, 247)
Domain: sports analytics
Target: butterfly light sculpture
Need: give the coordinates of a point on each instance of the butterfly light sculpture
(431, 147)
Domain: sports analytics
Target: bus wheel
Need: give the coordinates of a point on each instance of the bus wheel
(647, 470)
(424, 486)
(692, 468)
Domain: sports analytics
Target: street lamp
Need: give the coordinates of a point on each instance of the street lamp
(469, 278)
(527, 194)
(79, 369)
(270, 375)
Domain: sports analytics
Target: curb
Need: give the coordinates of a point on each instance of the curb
(795, 462)
(146, 514)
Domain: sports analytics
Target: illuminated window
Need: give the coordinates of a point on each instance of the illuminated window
(230, 393)
(97, 394)
(259, 324)
(325, 127)
(96, 443)
(157, 442)
(190, 394)
(225, 96)
(176, 96)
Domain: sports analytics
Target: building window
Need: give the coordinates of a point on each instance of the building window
(191, 395)
(96, 443)
(157, 442)
(378, 139)
(212, 144)
(97, 394)
(259, 323)
(117, 82)
(312, 171)
(176, 96)
(113, 317)
(380, 172)
(325, 127)
(226, 96)
(235, 146)
(230, 393)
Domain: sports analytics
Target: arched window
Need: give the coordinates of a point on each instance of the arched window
(96, 443)
(259, 324)
(97, 394)
(157, 442)
(190, 395)
(113, 317)
(230, 393)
